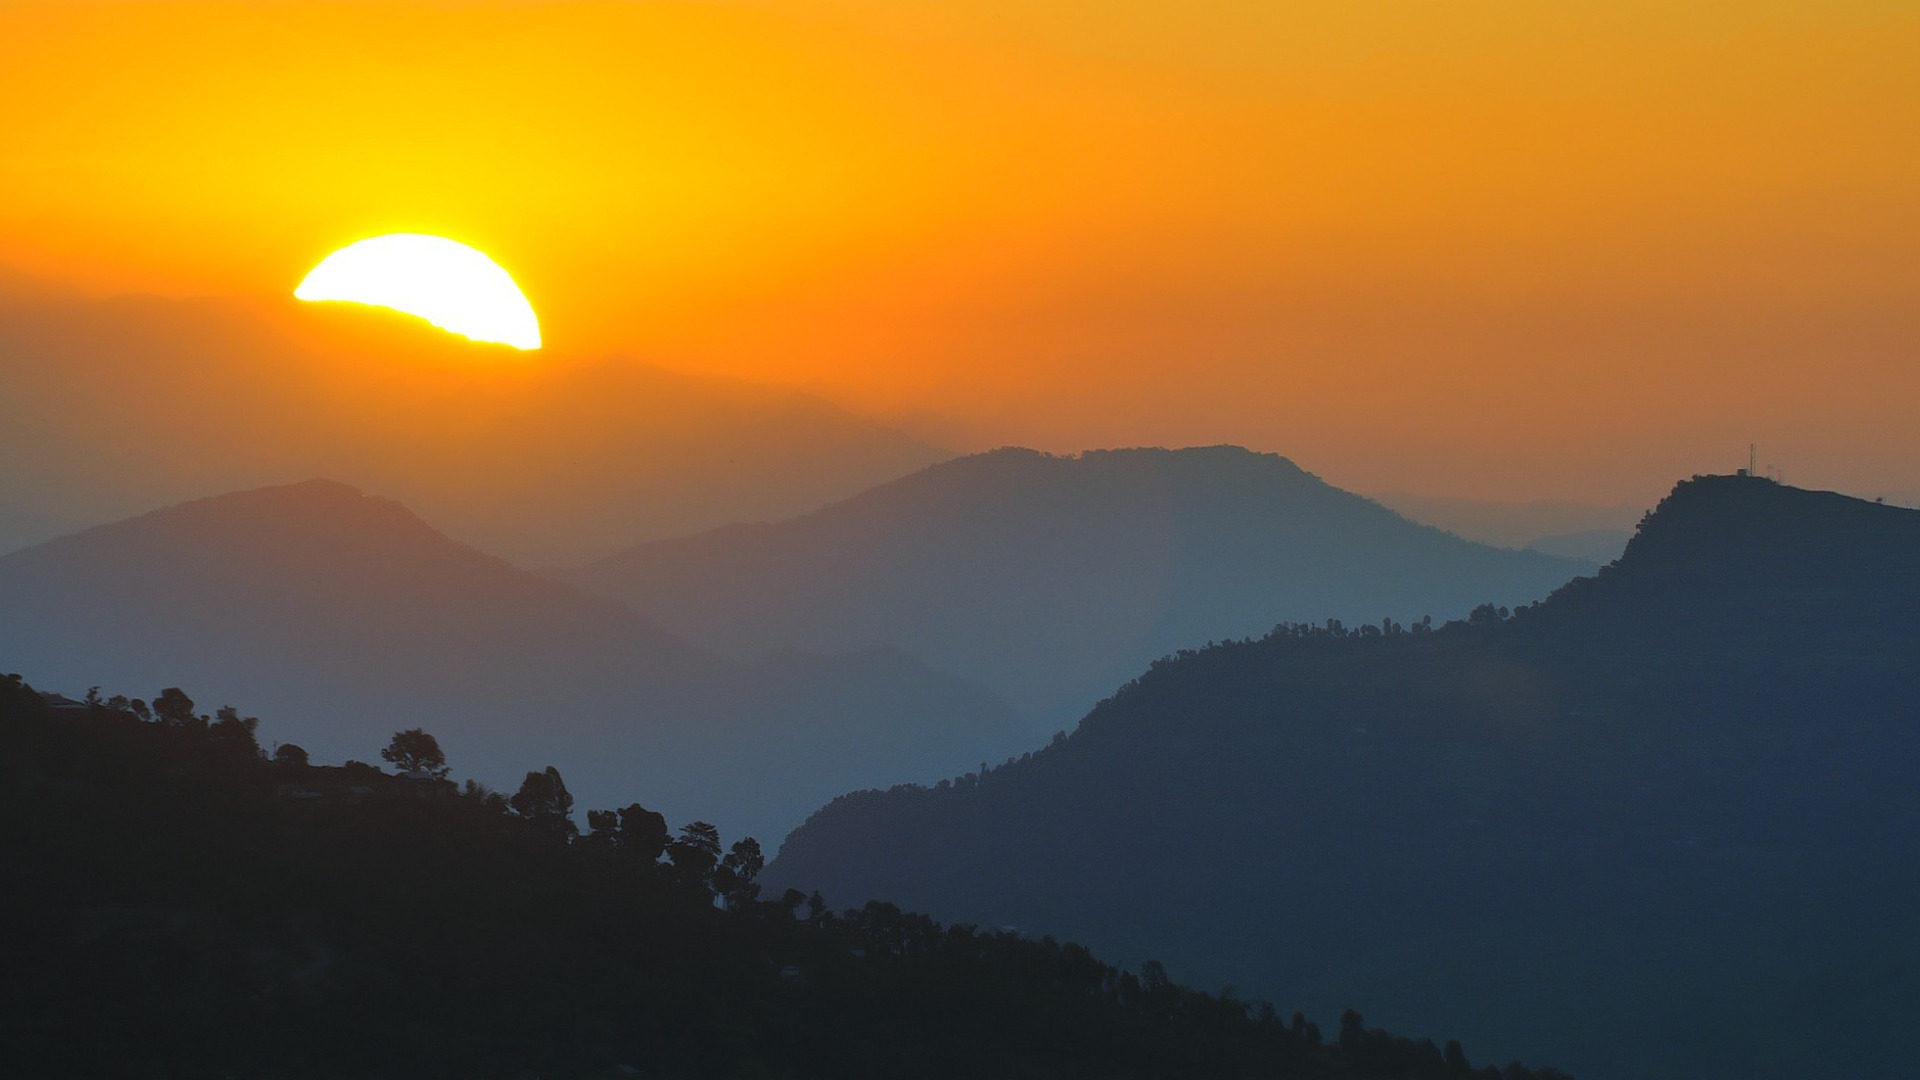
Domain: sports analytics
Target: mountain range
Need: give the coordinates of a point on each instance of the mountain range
(1052, 580)
(1672, 805)
(344, 618)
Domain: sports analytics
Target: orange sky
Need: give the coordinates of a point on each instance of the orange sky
(1501, 249)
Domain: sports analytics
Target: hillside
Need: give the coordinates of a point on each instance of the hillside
(1053, 579)
(190, 908)
(1675, 799)
(345, 617)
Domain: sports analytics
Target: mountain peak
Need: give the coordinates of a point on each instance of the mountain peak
(317, 494)
(1054, 579)
(1722, 555)
(1719, 525)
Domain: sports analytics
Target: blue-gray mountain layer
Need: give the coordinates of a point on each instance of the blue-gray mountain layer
(1055, 579)
(343, 618)
(1674, 805)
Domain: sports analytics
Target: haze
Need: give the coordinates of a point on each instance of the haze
(1502, 251)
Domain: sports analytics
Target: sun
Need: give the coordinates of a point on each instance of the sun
(445, 282)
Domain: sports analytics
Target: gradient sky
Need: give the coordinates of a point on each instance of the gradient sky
(1497, 249)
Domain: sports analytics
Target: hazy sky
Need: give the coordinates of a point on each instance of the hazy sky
(1501, 249)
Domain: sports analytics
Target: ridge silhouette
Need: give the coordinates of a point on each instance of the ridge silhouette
(1052, 580)
(341, 616)
(188, 905)
(1674, 797)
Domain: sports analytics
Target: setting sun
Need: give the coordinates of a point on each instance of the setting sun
(445, 282)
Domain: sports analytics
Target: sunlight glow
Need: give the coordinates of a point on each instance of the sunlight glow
(443, 281)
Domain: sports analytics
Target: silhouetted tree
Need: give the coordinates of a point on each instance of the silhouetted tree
(173, 707)
(480, 793)
(234, 731)
(1153, 977)
(643, 832)
(543, 799)
(601, 827)
(695, 854)
(1353, 1031)
(1456, 1059)
(734, 880)
(413, 750)
(290, 754)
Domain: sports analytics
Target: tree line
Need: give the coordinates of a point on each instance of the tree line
(194, 904)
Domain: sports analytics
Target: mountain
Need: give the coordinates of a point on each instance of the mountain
(1053, 579)
(20, 527)
(115, 406)
(189, 905)
(1674, 801)
(1597, 546)
(1537, 523)
(346, 618)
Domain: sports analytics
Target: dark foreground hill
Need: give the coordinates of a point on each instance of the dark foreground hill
(176, 905)
(1673, 805)
(344, 617)
(1054, 579)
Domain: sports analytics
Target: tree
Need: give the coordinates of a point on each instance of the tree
(633, 829)
(232, 730)
(1153, 977)
(643, 832)
(1353, 1032)
(290, 754)
(543, 799)
(493, 801)
(602, 827)
(413, 750)
(173, 707)
(735, 878)
(695, 854)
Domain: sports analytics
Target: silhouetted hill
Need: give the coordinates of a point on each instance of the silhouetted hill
(1053, 579)
(346, 617)
(115, 406)
(1675, 801)
(177, 905)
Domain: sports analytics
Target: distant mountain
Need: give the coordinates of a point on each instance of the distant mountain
(1675, 801)
(1541, 524)
(113, 407)
(1597, 546)
(345, 618)
(1054, 579)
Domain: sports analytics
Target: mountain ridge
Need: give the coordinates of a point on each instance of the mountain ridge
(346, 617)
(1054, 578)
(1624, 798)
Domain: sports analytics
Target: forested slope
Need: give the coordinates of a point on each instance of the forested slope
(1675, 797)
(179, 905)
